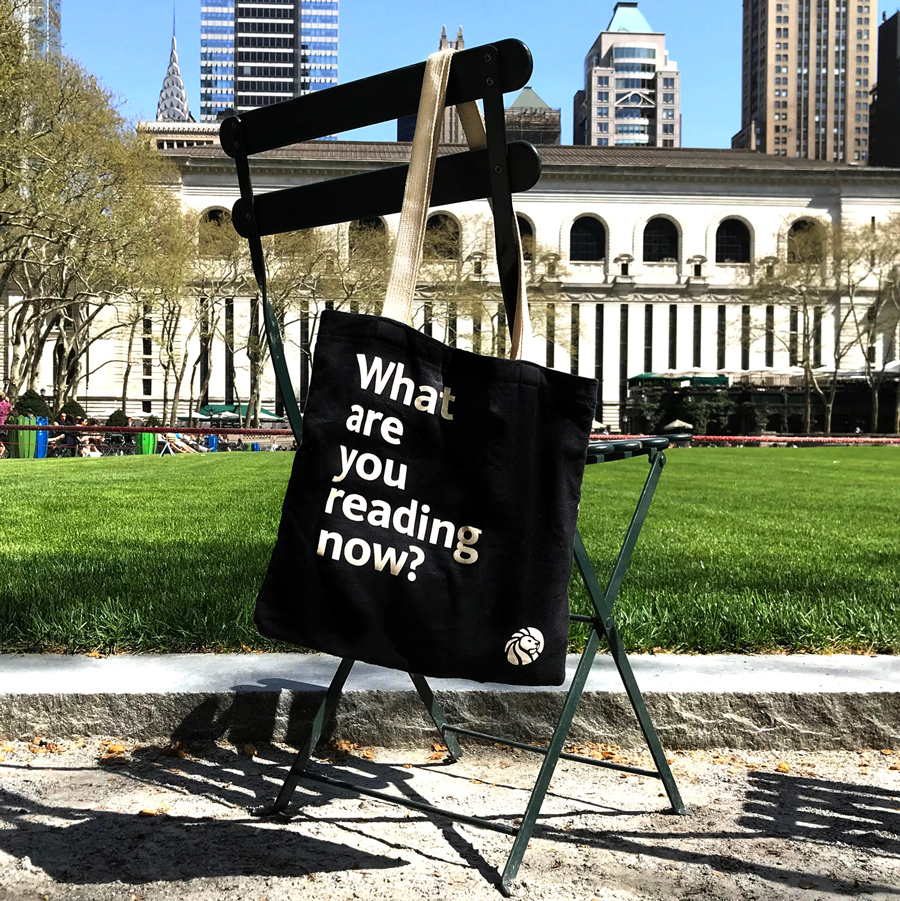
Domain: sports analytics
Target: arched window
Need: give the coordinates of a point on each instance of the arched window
(441, 238)
(661, 241)
(805, 242)
(587, 241)
(367, 239)
(732, 242)
(526, 233)
(216, 234)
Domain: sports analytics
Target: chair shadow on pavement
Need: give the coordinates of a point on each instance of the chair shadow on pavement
(822, 812)
(807, 811)
(89, 846)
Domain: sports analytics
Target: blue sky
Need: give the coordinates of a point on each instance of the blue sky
(126, 44)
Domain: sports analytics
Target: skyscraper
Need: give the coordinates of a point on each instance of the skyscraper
(809, 68)
(451, 127)
(42, 21)
(884, 140)
(632, 90)
(173, 100)
(256, 54)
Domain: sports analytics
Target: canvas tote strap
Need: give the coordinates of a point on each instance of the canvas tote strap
(414, 215)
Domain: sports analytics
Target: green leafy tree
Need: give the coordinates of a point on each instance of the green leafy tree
(78, 198)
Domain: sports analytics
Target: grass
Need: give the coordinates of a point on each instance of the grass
(744, 550)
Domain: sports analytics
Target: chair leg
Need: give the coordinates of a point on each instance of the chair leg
(321, 716)
(539, 792)
(603, 610)
(437, 716)
(617, 650)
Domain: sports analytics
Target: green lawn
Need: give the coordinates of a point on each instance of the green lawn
(743, 550)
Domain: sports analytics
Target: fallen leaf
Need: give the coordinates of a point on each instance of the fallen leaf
(250, 750)
(113, 759)
(8, 748)
(95, 654)
(176, 750)
(369, 754)
(805, 883)
(437, 755)
(437, 747)
(407, 766)
(896, 766)
(116, 749)
(887, 753)
(148, 812)
(783, 767)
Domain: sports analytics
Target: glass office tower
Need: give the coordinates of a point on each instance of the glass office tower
(256, 54)
(632, 90)
(42, 19)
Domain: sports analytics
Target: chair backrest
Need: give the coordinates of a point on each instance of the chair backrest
(478, 73)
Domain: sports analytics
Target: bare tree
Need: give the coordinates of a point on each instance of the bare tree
(801, 283)
(867, 273)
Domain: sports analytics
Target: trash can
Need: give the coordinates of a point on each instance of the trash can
(21, 444)
(40, 440)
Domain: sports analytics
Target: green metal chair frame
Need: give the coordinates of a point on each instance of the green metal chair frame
(484, 73)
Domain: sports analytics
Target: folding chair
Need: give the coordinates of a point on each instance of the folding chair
(495, 172)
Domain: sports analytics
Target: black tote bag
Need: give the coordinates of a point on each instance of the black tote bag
(432, 505)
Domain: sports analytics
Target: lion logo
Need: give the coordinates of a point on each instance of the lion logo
(524, 647)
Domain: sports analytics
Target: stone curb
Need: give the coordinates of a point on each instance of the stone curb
(778, 703)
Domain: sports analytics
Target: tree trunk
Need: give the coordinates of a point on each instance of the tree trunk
(807, 409)
(128, 364)
(873, 428)
(897, 409)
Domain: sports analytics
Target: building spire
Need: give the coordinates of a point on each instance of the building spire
(173, 101)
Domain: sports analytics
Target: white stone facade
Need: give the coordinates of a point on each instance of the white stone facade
(630, 315)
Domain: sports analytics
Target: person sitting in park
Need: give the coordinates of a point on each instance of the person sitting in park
(89, 444)
(182, 445)
(128, 438)
(5, 407)
(66, 442)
